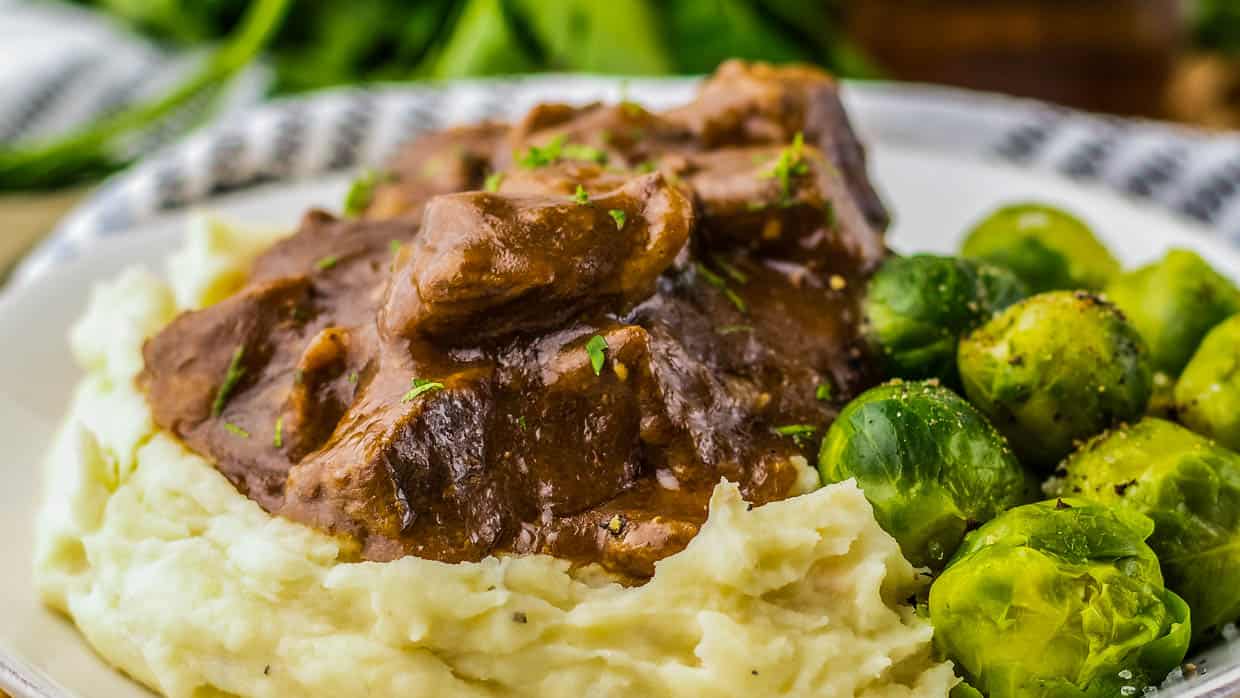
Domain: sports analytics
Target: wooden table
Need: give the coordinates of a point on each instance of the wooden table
(26, 218)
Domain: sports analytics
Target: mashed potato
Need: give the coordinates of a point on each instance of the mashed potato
(191, 588)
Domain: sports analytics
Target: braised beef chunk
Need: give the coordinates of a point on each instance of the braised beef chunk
(487, 265)
(638, 306)
(754, 103)
(786, 202)
(622, 135)
(438, 162)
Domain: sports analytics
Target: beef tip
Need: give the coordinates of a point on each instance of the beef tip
(486, 266)
(406, 461)
(438, 162)
(347, 260)
(207, 381)
(785, 202)
(622, 136)
(753, 103)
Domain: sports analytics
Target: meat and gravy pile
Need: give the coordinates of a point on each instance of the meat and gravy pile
(554, 336)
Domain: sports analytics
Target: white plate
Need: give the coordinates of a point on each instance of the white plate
(934, 199)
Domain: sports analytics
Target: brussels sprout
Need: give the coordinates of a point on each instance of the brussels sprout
(1173, 303)
(1048, 248)
(917, 307)
(931, 466)
(1190, 487)
(1055, 369)
(1207, 397)
(1060, 599)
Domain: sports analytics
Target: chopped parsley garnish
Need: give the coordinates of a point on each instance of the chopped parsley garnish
(720, 283)
(596, 348)
(733, 329)
(790, 165)
(361, 192)
(581, 196)
(737, 275)
(236, 430)
(754, 206)
(493, 181)
(556, 149)
(646, 167)
(828, 214)
(799, 432)
(417, 386)
(521, 422)
(540, 156)
(232, 377)
(352, 378)
(618, 216)
(577, 151)
(823, 392)
(278, 439)
(395, 246)
(327, 262)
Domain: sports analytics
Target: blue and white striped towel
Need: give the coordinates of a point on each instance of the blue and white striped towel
(62, 66)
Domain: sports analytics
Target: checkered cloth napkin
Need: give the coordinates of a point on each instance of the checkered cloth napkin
(61, 66)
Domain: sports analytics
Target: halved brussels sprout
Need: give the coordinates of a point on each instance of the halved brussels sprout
(1173, 303)
(1059, 598)
(1056, 369)
(1190, 487)
(1048, 248)
(931, 466)
(1207, 396)
(917, 307)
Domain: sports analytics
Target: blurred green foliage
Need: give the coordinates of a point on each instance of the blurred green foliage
(321, 43)
(1218, 25)
(325, 43)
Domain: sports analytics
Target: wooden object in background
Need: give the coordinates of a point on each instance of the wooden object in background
(1205, 91)
(1102, 55)
(27, 218)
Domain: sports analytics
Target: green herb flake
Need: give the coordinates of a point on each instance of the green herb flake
(733, 329)
(799, 433)
(646, 167)
(521, 422)
(618, 216)
(586, 153)
(737, 275)
(353, 377)
(395, 245)
(720, 283)
(540, 156)
(236, 430)
(417, 386)
(735, 299)
(790, 165)
(278, 439)
(597, 348)
(823, 392)
(327, 262)
(232, 377)
(493, 181)
(755, 206)
(581, 196)
(360, 194)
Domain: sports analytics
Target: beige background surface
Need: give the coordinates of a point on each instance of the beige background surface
(25, 219)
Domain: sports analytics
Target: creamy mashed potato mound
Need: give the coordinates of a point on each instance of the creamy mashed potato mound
(188, 586)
